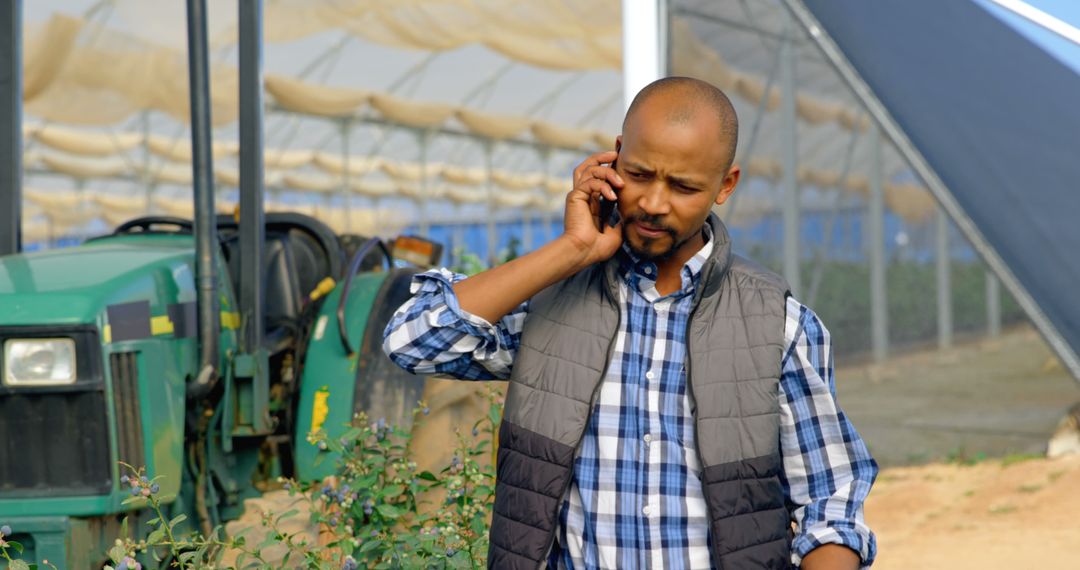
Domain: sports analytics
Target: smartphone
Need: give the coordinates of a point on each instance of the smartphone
(609, 214)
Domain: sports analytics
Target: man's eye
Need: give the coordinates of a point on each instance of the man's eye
(637, 175)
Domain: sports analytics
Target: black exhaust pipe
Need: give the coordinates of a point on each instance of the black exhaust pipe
(11, 127)
(206, 241)
(252, 223)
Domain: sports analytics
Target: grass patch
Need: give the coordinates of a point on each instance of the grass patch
(1002, 509)
(961, 456)
(1029, 488)
(1055, 475)
(1014, 458)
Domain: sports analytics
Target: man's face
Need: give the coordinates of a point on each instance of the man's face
(674, 173)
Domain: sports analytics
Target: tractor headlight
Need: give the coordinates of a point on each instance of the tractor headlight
(39, 362)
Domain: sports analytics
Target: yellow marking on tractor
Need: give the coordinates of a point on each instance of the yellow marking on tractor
(320, 409)
(230, 319)
(161, 325)
(106, 333)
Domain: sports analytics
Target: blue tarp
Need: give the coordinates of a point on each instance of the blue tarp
(995, 116)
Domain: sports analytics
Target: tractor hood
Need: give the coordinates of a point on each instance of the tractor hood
(75, 285)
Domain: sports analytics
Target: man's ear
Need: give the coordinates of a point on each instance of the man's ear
(618, 143)
(727, 187)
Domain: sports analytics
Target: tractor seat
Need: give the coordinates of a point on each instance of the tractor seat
(297, 256)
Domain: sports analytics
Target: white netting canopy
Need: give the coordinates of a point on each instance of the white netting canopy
(106, 92)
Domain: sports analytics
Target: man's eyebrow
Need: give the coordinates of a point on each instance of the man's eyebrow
(681, 180)
(638, 167)
(685, 181)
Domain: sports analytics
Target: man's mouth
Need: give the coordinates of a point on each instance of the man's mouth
(648, 231)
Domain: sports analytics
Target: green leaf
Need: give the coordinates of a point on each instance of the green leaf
(286, 515)
(270, 539)
(177, 520)
(370, 545)
(389, 511)
(427, 476)
(375, 460)
(16, 546)
(156, 537)
(392, 491)
(19, 565)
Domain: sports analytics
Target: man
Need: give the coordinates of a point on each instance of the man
(670, 405)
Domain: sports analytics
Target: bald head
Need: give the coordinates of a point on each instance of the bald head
(686, 99)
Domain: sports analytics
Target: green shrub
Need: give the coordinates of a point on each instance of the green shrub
(374, 513)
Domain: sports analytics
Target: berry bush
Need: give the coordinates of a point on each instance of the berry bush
(378, 511)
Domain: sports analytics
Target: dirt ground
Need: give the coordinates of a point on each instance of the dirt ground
(959, 434)
(993, 514)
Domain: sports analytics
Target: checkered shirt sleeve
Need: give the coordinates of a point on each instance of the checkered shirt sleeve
(827, 469)
(431, 335)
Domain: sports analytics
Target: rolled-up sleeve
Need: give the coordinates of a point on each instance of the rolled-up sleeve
(828, 470)
(430, 334)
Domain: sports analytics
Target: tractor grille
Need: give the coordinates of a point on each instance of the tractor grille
(125, 377)
(54, 443)
(55, 440)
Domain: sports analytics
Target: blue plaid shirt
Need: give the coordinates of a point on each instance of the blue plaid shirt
(635, 500)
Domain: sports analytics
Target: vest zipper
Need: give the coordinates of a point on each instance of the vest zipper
(592, 402)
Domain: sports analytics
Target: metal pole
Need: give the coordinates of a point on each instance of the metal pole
(944, 286)
(11, 126)
(148, 182)
(492, 238)
(993, 304)
(546, 216)
(526, 230)
(459, 237)
(644, 44)
(422, 138)
(346, 181)
(789, 155)
(879, 312)
(252, 222)
(203, 181)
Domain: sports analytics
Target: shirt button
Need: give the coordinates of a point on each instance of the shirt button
(646, 510)
(647, 438)
(650, 375)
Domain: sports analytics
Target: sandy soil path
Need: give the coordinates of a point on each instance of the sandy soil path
(993, 514)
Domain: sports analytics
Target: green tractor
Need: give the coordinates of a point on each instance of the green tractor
(204, 350)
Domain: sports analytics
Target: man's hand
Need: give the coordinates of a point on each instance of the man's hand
(831, 557)
(593, 178)
(497, 291)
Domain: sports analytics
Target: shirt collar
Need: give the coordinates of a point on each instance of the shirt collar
(641, 274)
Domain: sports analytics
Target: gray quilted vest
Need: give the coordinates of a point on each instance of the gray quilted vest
(735, 343)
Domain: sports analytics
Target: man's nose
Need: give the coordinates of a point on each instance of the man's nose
(654, 201)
